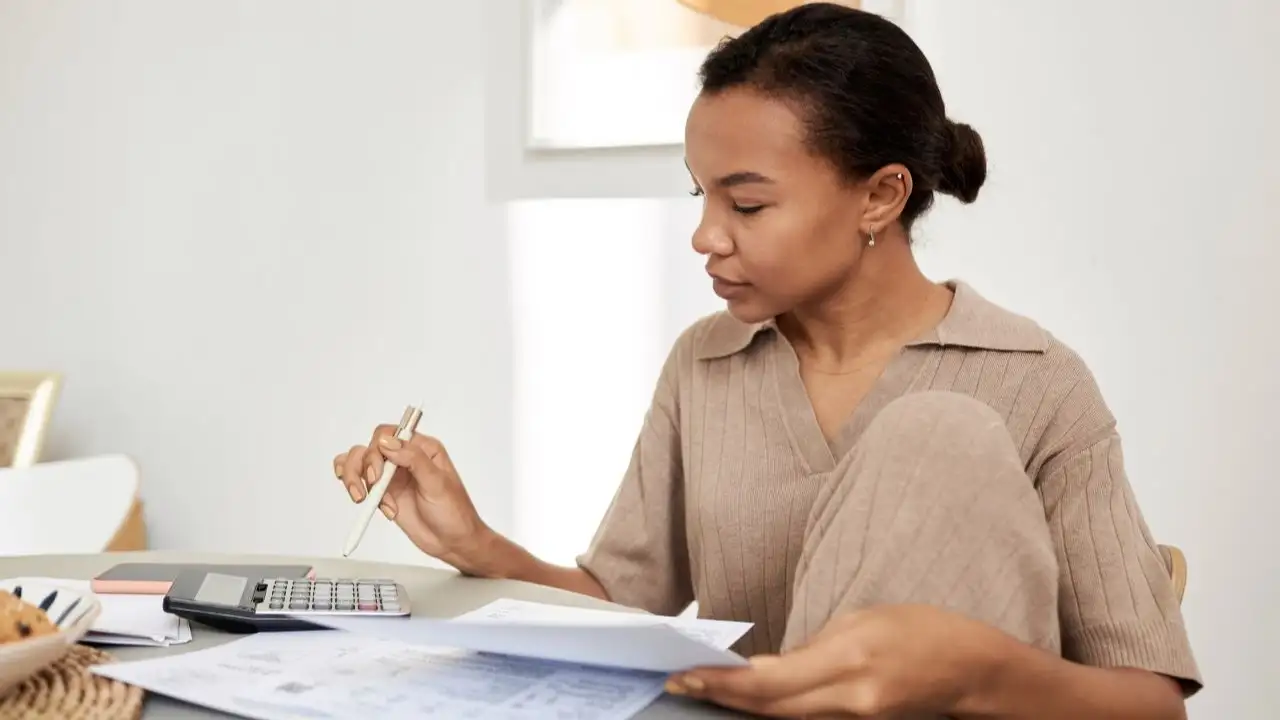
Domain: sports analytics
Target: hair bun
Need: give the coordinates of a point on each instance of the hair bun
(964, 165)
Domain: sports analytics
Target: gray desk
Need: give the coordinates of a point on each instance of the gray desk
(434, 592)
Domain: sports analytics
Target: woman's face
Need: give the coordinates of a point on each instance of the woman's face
(779, 227)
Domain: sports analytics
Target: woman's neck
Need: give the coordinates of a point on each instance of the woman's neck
(888, 303)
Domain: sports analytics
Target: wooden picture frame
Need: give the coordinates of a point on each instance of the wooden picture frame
(27, 400)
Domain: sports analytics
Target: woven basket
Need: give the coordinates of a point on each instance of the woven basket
(66, 690)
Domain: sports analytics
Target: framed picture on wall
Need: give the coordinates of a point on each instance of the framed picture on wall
(588, 98)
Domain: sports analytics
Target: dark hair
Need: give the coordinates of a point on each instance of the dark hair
(866, 92)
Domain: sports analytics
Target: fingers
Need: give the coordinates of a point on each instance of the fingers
(804, 682)
(820, 702)
(348, 467)
(424, 457)
(770, 676)
(435, 451)
(360, 467)
(374, 459)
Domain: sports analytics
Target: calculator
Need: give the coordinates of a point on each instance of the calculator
(245, 604)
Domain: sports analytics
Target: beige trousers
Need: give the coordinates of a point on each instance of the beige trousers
(932, 506)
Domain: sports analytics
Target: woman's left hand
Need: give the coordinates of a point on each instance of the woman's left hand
(895, 661)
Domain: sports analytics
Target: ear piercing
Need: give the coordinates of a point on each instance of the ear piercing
(871, 233)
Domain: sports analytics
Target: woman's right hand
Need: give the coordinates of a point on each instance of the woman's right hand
(426, 497)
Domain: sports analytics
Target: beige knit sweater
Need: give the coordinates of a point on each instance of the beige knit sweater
(730, 460)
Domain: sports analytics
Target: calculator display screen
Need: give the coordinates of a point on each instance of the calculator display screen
(221, 589)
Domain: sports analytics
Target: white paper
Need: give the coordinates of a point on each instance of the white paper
(717, 633)
(183, 636)
(129, 619)
(626, 641)
(141, 616)
(319, 675)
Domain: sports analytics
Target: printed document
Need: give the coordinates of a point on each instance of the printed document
(326, 674)
(603, 638)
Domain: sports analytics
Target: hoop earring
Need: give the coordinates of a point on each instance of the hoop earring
(872, 241)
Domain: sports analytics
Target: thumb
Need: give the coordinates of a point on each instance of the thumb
(427, 475)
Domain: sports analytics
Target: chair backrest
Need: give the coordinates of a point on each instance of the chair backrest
(1176, 563)
(72, 506)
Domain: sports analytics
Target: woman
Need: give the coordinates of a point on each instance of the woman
(916, 497)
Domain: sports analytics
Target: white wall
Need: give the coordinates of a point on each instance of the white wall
(248, 232)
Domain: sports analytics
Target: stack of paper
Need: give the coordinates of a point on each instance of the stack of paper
(137, 620)
(131, 619)
(508, 661)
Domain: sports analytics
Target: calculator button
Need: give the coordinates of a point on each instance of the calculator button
(391, 607)
(367, 606)
(277, 606)
(320, 605)
(297, 605)
(344, 606)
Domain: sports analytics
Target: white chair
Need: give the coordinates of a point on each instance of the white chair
(70, 506)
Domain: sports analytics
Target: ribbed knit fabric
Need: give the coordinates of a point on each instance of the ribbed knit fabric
(982, 472)
(931, 506)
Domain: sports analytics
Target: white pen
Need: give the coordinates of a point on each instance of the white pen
(408, 425)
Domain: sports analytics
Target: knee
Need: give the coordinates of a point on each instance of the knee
(948, 445)
(955, 419)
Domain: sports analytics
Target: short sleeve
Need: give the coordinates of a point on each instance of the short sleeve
(639, 553)
(1118, 606)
